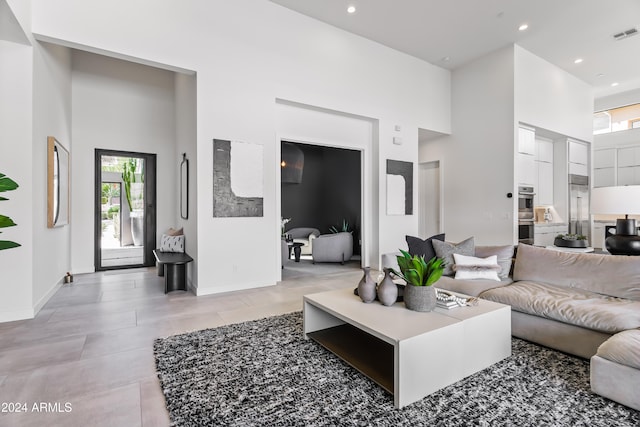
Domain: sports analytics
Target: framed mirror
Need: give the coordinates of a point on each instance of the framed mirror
(57, 183)
(184, 187)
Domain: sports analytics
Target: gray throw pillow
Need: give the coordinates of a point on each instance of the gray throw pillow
(445, 250)
(504, 254)
(420, 247)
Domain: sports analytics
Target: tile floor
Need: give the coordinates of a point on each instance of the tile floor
(87, 357)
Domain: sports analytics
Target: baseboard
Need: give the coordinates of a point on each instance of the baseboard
(84, 270)
(46, 297)
(12, 316)
(200, 290)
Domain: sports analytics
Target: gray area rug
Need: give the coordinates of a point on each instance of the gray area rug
(264, 373)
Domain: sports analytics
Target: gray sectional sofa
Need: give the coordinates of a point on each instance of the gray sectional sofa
(583, 304)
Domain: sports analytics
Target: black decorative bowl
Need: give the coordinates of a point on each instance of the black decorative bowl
(573, 243)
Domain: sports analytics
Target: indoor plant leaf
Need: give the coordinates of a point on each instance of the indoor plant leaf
(412, 277)
(419, 267)
(434, 277)
(4, 244)
(7, 184)
(5, 221)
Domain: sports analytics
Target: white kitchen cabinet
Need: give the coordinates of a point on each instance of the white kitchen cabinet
(544, 165)
(604, 177)
(545, 183)
(526, 141)
(545, 234)
(604, 158)
(629, 156)
(578, 153)
(527, 171)
(544, 150)
(578, 169)
(604, 167)
(629, 175)
(597, 237)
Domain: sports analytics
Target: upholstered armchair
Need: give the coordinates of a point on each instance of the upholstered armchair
(336, 247)
(304, 235)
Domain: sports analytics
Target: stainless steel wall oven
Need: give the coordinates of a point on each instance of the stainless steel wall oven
(525, 215)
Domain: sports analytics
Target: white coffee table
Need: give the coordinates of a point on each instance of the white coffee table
(409, 354)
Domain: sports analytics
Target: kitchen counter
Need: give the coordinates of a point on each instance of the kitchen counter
(550, 224)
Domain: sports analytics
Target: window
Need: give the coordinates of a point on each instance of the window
(617, 119)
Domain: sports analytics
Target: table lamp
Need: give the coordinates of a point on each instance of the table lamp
(619, 200)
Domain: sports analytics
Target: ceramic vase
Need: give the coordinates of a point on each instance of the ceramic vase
(367, 287)
(420, 298)
(387, 289)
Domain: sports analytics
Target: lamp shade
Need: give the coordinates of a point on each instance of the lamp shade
(291, 163)
(620, 200)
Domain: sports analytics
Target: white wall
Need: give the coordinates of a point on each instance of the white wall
(185, 108)
(550, 98)
(119, 105)
(477, 159)
(15, 162)
(622, 138)
(51, 117)
(246, 57)
(490, 96)
(35, 103)
(618, 100)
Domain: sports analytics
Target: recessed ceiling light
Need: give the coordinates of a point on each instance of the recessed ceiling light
(523, 27)
(577, 61)
(614, 84)
(446, 59)
(351, 9)
(599, 75)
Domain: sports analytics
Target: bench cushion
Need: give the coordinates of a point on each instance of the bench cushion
(573, 306)
(622, 348)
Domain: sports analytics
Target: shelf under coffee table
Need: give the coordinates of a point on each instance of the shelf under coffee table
(409, 354)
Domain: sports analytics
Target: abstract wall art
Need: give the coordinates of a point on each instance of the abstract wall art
(238, 187)
(399, 187)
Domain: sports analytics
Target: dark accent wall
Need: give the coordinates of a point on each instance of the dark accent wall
(329, 191)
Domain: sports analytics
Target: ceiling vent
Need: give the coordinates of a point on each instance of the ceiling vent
(623, 35)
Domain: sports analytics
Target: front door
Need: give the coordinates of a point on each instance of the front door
(125, 209)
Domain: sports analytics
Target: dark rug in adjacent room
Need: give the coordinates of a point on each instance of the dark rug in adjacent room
(264, 373)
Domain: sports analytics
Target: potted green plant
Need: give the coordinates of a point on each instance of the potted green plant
(571, 241)
(7, 184)
(135, 212)
(420, 275)
(344, 228)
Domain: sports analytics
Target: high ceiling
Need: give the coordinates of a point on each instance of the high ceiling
(560, 31)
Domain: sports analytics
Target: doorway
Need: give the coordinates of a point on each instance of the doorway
(125, 209)
(430, 222)
(321, 194)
